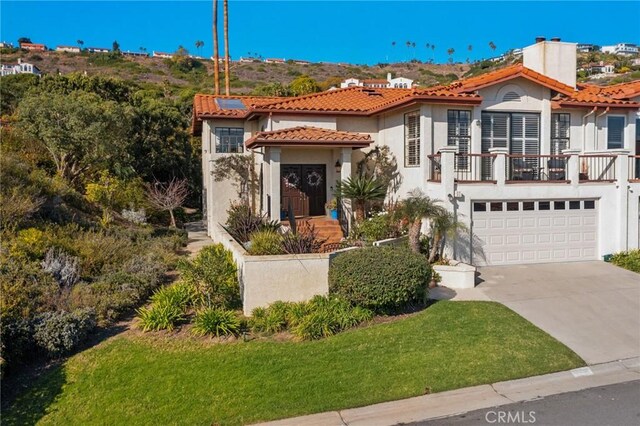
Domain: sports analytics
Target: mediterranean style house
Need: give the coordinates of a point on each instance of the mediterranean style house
(540, 168)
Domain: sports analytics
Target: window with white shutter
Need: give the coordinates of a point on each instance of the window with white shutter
(495, 134)
(615, 132)
(560, 131)
(459, 134)
(412, 139)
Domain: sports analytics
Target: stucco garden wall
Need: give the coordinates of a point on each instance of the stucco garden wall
(266, 279)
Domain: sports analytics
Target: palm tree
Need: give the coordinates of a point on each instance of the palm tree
(216, 56)
(469, 48)
(226, 47)
(415, 208)
(199, 44)
(80, 43)
(492, 46)
(443, 225)
(450, 52)
(361, 190)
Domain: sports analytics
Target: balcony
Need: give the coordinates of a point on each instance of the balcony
(500, 167)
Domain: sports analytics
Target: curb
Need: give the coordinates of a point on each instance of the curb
(459, 401)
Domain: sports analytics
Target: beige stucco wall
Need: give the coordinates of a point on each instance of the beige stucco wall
(267, 279)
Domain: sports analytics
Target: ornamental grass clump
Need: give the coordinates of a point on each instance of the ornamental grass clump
(216, 322)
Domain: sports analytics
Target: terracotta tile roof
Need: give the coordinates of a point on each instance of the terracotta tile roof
(503, 74)
(375, 81)
(591, 95)
(205, 106)
(617, 91)
(309, 136)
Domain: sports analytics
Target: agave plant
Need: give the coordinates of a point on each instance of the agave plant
(361, 190)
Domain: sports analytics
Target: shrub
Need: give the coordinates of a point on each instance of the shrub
(378, 228)
(214, 275)
(63, 267)
(139, 217)
(241, 222)
(31, 243)
(180, 294)
(25, 288)
(383, 279)
(58, 333)
(321, 317)
(305, 240)
(629, 260)
(266, 242)
(218, 322)
(160, 316)
(17, 340)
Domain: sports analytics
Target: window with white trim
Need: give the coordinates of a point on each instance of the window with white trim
(560, 131)
(412, 139)
(459, 134)
(615, 132)
(229, 140)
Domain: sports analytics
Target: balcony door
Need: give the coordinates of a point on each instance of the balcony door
(519, 132)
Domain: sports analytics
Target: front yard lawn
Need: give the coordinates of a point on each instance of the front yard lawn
(143, 379)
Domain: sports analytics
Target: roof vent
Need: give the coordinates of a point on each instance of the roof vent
(555, 39)
(540, 39)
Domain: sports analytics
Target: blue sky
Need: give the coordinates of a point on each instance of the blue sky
(356, 32)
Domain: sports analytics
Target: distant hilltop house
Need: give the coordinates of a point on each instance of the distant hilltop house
(627, 49)
(598, 69)
(129, 53)
(70, 49)
(34, 47)
(586, 47)
(97, 50)
(162, 55)
(19, 68)
(247, 59)
(5, 45)
(275, 61)
(300, 62)
(379, 83)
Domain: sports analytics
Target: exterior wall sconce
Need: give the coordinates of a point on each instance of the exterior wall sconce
(338, 166)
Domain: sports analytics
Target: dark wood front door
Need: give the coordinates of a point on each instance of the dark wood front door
(304, 187)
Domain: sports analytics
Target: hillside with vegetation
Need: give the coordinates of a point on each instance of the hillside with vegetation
(184, 73)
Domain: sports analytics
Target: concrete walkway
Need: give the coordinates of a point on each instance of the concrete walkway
(592, 307)
(198, 238)
(460, 401)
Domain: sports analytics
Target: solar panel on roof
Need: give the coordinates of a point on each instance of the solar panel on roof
(230, 103)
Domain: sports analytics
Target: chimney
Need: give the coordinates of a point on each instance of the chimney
(540, 39)
(388, 76)
(554, 59)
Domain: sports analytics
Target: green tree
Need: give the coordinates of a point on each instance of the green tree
(80, 43)
(115, 46)
(272, 89)
(415, 208)
(13, 89)
(24, 40)
(81, 132)
(304, 85)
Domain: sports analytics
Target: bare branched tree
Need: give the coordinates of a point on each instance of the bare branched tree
(168, 196)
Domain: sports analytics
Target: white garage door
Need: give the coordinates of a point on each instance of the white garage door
(528, 231)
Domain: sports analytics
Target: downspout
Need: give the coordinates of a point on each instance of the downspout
(270, 121)
(595, 127)
(584, 130)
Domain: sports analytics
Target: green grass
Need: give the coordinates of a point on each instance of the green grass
(145, 380)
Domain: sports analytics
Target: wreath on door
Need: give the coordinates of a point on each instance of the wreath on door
(314, 179)
(292, 180)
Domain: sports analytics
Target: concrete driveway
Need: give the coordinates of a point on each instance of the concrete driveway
(592, 307)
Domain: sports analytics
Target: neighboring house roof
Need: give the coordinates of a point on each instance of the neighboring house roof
(508, 73)
(375, 81)
(309, 136)
(617, 91)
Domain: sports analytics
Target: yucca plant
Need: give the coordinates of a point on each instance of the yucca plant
(217, 322)
(361, 190)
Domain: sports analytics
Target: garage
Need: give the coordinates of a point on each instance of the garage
(534, 231)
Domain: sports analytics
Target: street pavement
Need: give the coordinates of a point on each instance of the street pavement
(614, 405)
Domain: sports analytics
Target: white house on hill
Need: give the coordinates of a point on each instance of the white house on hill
(540, 168)
(19, 68)
(398, 83)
